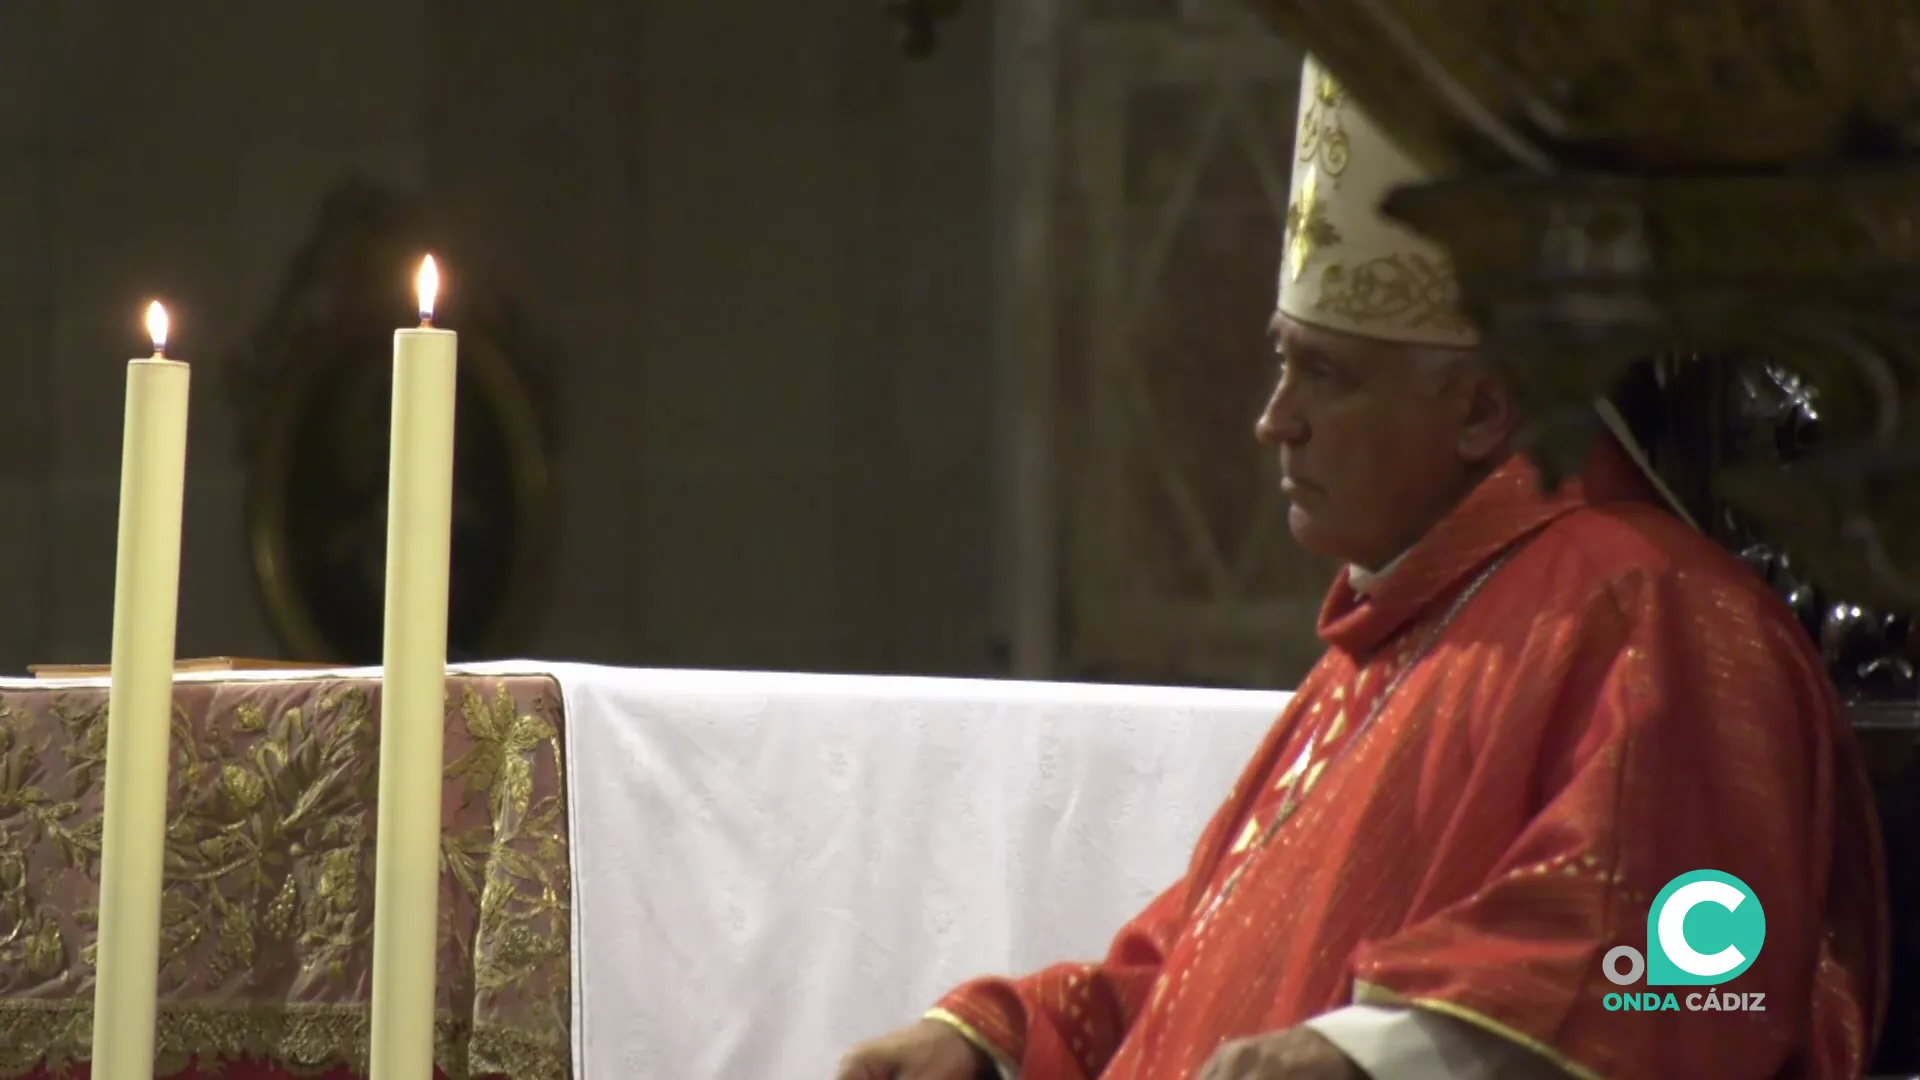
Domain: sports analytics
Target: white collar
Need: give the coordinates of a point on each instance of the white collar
(1364, 582)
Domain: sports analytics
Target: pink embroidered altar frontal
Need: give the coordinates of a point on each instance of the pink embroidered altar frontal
(267, 921)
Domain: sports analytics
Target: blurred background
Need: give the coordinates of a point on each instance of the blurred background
(782, 349)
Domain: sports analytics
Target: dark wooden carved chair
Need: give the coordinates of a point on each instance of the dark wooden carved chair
(1892, 740)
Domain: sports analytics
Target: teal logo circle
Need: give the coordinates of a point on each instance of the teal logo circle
(1705, 928)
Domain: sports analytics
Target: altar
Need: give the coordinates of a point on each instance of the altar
(643, 873)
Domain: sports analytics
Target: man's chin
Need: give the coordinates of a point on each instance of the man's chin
(1306, 532)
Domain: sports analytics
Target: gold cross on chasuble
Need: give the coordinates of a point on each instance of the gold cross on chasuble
(1329, 723)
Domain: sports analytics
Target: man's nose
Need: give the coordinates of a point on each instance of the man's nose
(1279, 422)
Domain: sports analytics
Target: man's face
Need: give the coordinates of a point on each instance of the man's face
(1375, 447)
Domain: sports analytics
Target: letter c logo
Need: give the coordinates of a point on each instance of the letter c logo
(1723, 911)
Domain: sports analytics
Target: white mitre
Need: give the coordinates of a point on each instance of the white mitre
(1348, 267)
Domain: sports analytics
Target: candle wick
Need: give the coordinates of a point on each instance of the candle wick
(159, 352)
(426, 320)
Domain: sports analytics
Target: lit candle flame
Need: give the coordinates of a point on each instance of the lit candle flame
(427, 287)
(157, 327)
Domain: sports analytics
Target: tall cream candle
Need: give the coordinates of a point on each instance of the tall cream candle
(413, 697)
(146, 597)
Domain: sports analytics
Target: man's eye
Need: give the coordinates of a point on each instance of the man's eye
(1306, 369)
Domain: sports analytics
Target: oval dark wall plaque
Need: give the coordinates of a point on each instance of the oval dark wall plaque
(319, 518)
(318, 444)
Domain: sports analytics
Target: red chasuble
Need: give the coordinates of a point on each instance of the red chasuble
(1553, 706)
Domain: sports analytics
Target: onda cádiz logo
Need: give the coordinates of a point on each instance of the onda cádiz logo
(1705, 928)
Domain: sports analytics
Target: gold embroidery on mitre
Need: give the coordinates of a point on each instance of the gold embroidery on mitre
(1323, 135)
(1406, 289)
(1308, 227)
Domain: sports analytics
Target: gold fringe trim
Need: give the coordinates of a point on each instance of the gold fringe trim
(980, 1042)
(1367, 993)
(305, 1039)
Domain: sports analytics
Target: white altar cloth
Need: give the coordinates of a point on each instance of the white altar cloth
(768, 868)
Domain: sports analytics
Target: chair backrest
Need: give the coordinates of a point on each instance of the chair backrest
(1891, 736)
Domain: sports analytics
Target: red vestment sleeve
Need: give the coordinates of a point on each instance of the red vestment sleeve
(1657, 730)
(1066, 1022)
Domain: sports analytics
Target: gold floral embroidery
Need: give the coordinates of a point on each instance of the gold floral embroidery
(1323, 133)
(266, 921)
(1408, 290)
(1308, 227)
(1322, 148)
(516, 863)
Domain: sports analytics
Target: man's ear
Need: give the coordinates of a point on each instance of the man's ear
(1489, 417)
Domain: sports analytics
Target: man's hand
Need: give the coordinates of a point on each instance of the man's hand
(1295, 1054)
(929, 1050)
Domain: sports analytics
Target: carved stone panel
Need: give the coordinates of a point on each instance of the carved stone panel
(1179, 564)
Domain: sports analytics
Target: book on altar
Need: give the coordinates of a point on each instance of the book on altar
(180, 667)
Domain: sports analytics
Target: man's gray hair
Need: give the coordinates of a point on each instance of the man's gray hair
(1436, 362)
(1441, 360)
